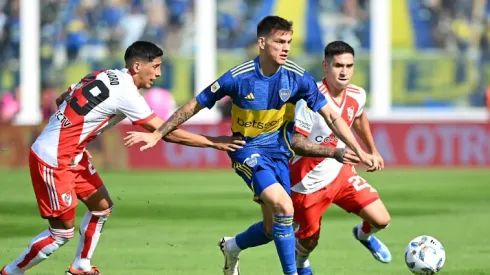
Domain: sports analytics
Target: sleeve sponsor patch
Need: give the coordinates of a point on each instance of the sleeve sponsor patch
(215, 87)
(303, 124)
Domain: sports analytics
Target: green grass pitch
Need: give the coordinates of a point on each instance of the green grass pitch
(168, 222)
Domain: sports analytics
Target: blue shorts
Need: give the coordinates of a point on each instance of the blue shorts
(260, 171)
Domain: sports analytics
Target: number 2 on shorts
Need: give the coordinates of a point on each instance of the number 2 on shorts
(360, 183)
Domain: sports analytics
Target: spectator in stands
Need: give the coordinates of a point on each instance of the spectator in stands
(9, 106)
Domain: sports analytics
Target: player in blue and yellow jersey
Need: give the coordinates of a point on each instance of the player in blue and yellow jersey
(263, 91)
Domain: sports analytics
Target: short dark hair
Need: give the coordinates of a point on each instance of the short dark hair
(142, 50)
(272, 23)
(337, 47)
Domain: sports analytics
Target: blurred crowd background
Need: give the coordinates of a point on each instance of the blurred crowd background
(440, 48)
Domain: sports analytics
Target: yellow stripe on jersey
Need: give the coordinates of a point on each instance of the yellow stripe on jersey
(251, 123)
(289, 116)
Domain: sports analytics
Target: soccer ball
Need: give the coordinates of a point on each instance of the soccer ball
(425, 255)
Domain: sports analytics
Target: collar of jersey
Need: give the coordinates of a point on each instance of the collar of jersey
(259, 73)
(126, 70)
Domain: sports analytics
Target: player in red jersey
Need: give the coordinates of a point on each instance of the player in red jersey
(317, 181)
(60, 167)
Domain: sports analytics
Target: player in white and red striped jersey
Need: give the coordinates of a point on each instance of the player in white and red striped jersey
(319, 180)
(60, 167)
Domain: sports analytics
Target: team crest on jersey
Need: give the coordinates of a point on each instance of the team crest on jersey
(284, 94)
(252, 160)
(350, 113)
(67, 199)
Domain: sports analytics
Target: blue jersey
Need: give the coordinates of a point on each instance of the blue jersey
(262, 106)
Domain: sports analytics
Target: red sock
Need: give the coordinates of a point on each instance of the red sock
(40, 248)
(90, 231)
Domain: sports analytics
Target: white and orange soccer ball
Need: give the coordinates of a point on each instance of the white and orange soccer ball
(425, 255)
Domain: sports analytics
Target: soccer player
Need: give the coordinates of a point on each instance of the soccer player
(316, 181)
(61, 170)
(262, 90)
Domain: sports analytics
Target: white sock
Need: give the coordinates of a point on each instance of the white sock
(90, 230)
(366, 230)
(232, 246)
(39, 249)
(302, 255)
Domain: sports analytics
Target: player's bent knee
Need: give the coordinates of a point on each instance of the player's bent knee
(286, 207)
(384, 220)
(277, 200)
(307, 244)
(376, 214)
(104, 213)
(381, 222)
(64, 221)
(283, 208)
(99, 200)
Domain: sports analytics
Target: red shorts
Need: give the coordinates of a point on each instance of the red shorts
(57, 190)
(349, 191)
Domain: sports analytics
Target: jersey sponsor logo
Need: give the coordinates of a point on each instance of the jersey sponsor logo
(331, 139)
(251, 123)
(284, 94)
(215, 87)
(259, 124)
(65, 122)
(303, 124)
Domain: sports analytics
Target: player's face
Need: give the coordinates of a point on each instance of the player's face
(277, 46)
(148, 72)
(339, 70)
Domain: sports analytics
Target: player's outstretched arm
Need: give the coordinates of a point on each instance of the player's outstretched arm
(301, 146)
(207, 98)
(180, 116)
(361, 127)
(225, 143)
(342, 131)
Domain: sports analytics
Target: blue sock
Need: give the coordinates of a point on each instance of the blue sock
(282, 230)
(255, 235)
